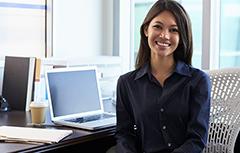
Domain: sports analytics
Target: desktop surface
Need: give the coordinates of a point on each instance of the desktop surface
(80, 138)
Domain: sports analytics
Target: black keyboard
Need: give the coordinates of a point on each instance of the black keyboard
(90, 118)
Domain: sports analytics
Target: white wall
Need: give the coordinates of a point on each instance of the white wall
(81, 28)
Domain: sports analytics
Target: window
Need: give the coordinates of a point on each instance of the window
(194, 10)
(141, 9)
(230, 33)
(216, 31)
(22, 28)
(79, 28)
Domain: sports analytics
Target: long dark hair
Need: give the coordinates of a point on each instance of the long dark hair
(185, 47)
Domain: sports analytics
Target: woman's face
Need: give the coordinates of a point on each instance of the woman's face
(163, 35)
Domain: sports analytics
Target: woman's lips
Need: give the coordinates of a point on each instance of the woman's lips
(163, 44)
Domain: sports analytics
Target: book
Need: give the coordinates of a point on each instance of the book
(32, 135)
(18, 81)
(36, 94)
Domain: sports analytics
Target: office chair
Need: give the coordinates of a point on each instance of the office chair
(224, 122)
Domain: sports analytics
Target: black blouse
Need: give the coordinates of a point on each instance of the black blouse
(172, 118)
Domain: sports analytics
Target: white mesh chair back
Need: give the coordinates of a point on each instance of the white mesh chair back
(225, 110)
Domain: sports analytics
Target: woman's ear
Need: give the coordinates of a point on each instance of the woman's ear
(146, 31)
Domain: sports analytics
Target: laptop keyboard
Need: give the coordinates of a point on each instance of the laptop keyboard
(90, 118)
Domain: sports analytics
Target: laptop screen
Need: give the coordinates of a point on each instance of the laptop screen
(73, 90)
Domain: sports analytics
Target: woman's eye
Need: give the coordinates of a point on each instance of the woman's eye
(173, 30)
(157, 26)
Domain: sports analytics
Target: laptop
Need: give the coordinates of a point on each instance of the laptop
(75, 99)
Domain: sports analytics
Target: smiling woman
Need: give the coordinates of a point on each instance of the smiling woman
(163, 39)
(139, 10)
(162, 33)
(163, 105)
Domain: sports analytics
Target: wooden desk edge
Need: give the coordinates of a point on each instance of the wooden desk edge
(70, 142)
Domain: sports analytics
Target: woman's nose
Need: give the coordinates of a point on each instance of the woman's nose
(164, 35)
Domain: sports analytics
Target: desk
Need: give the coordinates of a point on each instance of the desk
(99, 140)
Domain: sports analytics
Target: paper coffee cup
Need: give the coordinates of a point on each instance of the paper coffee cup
(38, 112)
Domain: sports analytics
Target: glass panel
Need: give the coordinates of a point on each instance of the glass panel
(140, 11)
(194, 9)
(230, 33)
(22, 28)
(78, 34)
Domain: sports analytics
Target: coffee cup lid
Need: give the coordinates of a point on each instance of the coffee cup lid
(38, 104)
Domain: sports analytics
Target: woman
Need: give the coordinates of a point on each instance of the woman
(163, 106)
